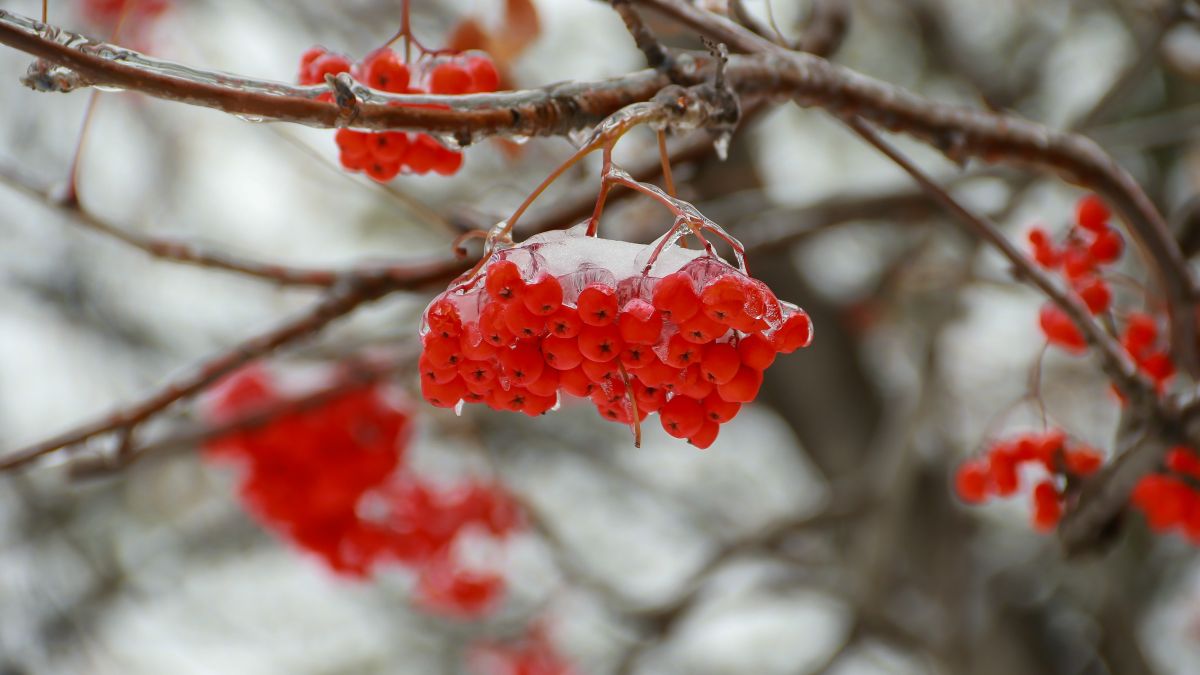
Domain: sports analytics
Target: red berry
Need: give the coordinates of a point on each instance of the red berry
(681, 353)
(436, 374)
(1083, 461)
(681, 416)
(477, 372)
(1141, 332)
(1182, 460)
(1091, 214)
(424, 154)
(1060, 330)
(637, 356)
(756, 351)
(543, 296)
(546, 384)
(1003, 469)
(483, 74)
(326, 64)
(382, 171)
(743, 387)
(1047, 510)
(386, 71)
(676, 298)
(701, 329)
(706, 435)
(796, 332)
(1107, 247)
(719, 410)
(693, 384)
(523, 363)
(449, 78)
(649, 398)
(493, 327)
(561, 353)
(640, 323)
(601, 372)
(444, 395)
(351, 143)
(720, 362)
(388, 146)
(1078, 264)
(443, 319)
(658, 374)
(504, 282)
(600, 343)
(576, 382)
(1095, 295)
(524, 324)
(597, 305)
(971, 482)
(564, 323)
(442, 352)
(446, 162)
(1158, 367)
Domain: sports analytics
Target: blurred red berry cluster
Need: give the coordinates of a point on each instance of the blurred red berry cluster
(382, 155)
(331, 479)
(1088, 248)
(1170, 499)
(570, 313)
(110, 12)
(1080, 259)
(998, 472)
(533, 654)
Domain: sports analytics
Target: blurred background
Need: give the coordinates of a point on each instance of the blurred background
(819, 534)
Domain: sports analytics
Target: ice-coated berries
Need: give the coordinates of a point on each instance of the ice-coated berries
(686, 338)
(383, 155)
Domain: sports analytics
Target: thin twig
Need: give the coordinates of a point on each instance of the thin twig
(189, 253)
(337, 304)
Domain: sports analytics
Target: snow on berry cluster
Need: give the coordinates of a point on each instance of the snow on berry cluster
(533, 654)
(384, 154)
(688, 337)
(1089, 247)
(1049, 455)
(331, 480)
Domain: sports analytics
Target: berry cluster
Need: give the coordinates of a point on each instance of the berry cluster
(382, 155)
(687, 336)
(1089, 246)
(531, 655)
(998, 472)
(331, 480)
(1171, 500)
(1081, 258)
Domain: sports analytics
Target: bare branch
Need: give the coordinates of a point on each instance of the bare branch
(340, 302)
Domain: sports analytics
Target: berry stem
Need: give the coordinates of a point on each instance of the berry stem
(668, 181)
(635, 417)
(605, 186)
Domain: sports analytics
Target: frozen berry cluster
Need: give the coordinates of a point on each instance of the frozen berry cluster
(688, 338)
(998, 472)
(384, 154)
(1089, 247)
(331, 479)
(533, 654)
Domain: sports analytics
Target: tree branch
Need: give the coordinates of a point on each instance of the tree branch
(961, 133)
(340, 302)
